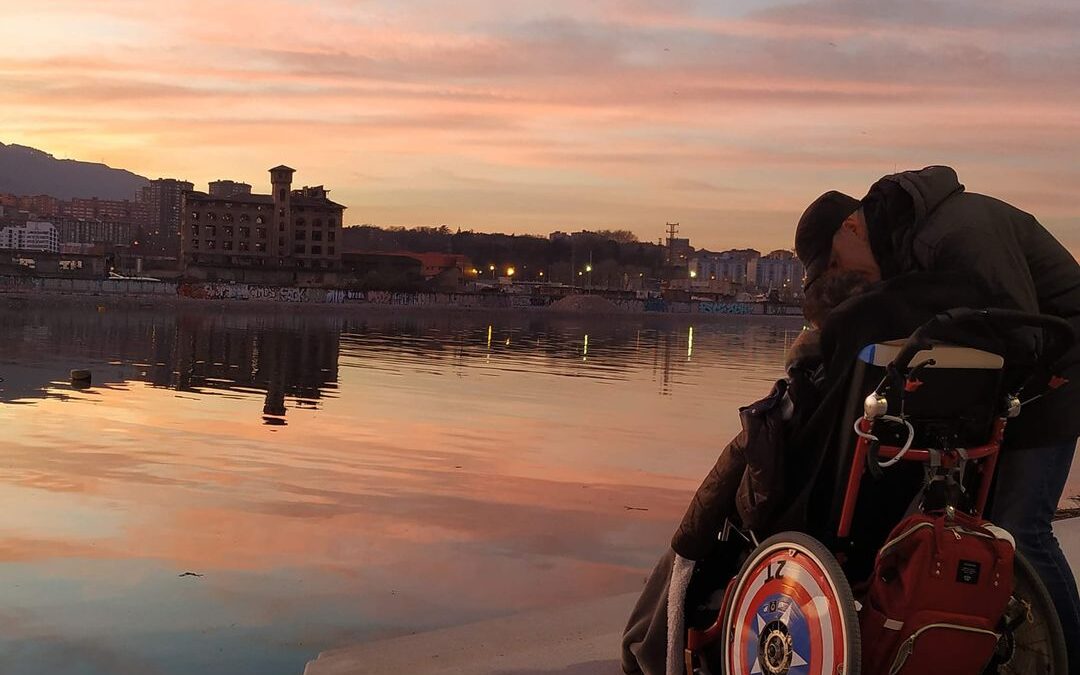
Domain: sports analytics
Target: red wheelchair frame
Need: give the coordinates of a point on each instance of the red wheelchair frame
(984, 457)
(989, 451)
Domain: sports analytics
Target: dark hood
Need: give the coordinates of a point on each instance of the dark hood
(927, 188)
(896, 207)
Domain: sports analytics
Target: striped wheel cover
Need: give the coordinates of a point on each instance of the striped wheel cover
(788, 585)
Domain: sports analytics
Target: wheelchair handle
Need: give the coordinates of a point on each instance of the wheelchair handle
(920, 339)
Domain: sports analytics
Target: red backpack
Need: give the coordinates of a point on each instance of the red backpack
(940, 587)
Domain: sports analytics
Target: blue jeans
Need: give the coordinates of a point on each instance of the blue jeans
(1029, 485)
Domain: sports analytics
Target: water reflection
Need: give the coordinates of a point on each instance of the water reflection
(434, 469)
(220, 354)
(297, 357)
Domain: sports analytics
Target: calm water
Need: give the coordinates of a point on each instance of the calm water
(338, 479)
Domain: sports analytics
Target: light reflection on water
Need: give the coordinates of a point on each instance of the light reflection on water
(337, 478)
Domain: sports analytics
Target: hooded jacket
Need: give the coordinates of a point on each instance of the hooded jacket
(926, 221)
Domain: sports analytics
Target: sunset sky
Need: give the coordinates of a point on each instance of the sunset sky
(537, 116)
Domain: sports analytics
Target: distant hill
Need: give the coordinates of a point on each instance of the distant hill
(28, 171)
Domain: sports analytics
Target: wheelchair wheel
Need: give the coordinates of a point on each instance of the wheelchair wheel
(792, 612)
(1031, 638)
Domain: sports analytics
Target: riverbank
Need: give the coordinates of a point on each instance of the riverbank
(581, 639)
(21, 300)
(595, 302)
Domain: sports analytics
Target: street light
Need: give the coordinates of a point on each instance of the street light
(492, 269)
(693, 274)
(509, 271)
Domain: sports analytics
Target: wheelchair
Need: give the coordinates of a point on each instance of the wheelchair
(935, 414)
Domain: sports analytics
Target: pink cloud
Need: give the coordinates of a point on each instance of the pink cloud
(579, 114)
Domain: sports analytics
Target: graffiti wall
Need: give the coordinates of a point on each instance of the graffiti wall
(233, 291)
(655, 305)
(89, 286)
(215, 290)
(725, 308)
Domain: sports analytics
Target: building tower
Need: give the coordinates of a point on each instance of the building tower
(281, 184)
(164, 198)
(673, 229)
(228, 188)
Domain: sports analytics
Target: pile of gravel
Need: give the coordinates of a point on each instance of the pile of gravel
(585, 304)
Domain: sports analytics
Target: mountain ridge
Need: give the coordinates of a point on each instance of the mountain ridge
(25, 170)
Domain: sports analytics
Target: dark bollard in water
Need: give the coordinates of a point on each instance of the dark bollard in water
(80, 378)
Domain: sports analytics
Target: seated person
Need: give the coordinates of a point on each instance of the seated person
(769, 478)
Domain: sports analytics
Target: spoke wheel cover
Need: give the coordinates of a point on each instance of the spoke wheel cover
(787, 615)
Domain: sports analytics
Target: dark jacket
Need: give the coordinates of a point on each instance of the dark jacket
(749, 482)
(748, 485)
(748, 475)
(926, 221)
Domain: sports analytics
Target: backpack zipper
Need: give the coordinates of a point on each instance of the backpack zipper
(954, 529)
(908, 646)
(902, 536)
(974, 533)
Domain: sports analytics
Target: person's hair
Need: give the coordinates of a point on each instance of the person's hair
(830, 290)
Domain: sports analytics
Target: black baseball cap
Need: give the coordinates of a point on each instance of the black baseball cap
(814, 233)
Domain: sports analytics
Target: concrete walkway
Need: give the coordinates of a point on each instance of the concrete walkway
(582, 639)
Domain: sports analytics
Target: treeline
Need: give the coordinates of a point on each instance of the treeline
(615, 256)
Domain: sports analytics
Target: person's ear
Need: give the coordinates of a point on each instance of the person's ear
(851, 223)
(859, 226)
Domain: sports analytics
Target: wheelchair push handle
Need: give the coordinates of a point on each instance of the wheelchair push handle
(1063, 333)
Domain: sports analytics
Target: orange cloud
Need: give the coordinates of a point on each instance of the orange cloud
(579, 115)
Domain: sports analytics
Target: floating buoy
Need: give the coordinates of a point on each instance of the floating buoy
(80, 377)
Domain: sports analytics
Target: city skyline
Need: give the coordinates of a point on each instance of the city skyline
(618, 115)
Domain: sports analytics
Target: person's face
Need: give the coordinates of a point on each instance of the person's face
(851, 250)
